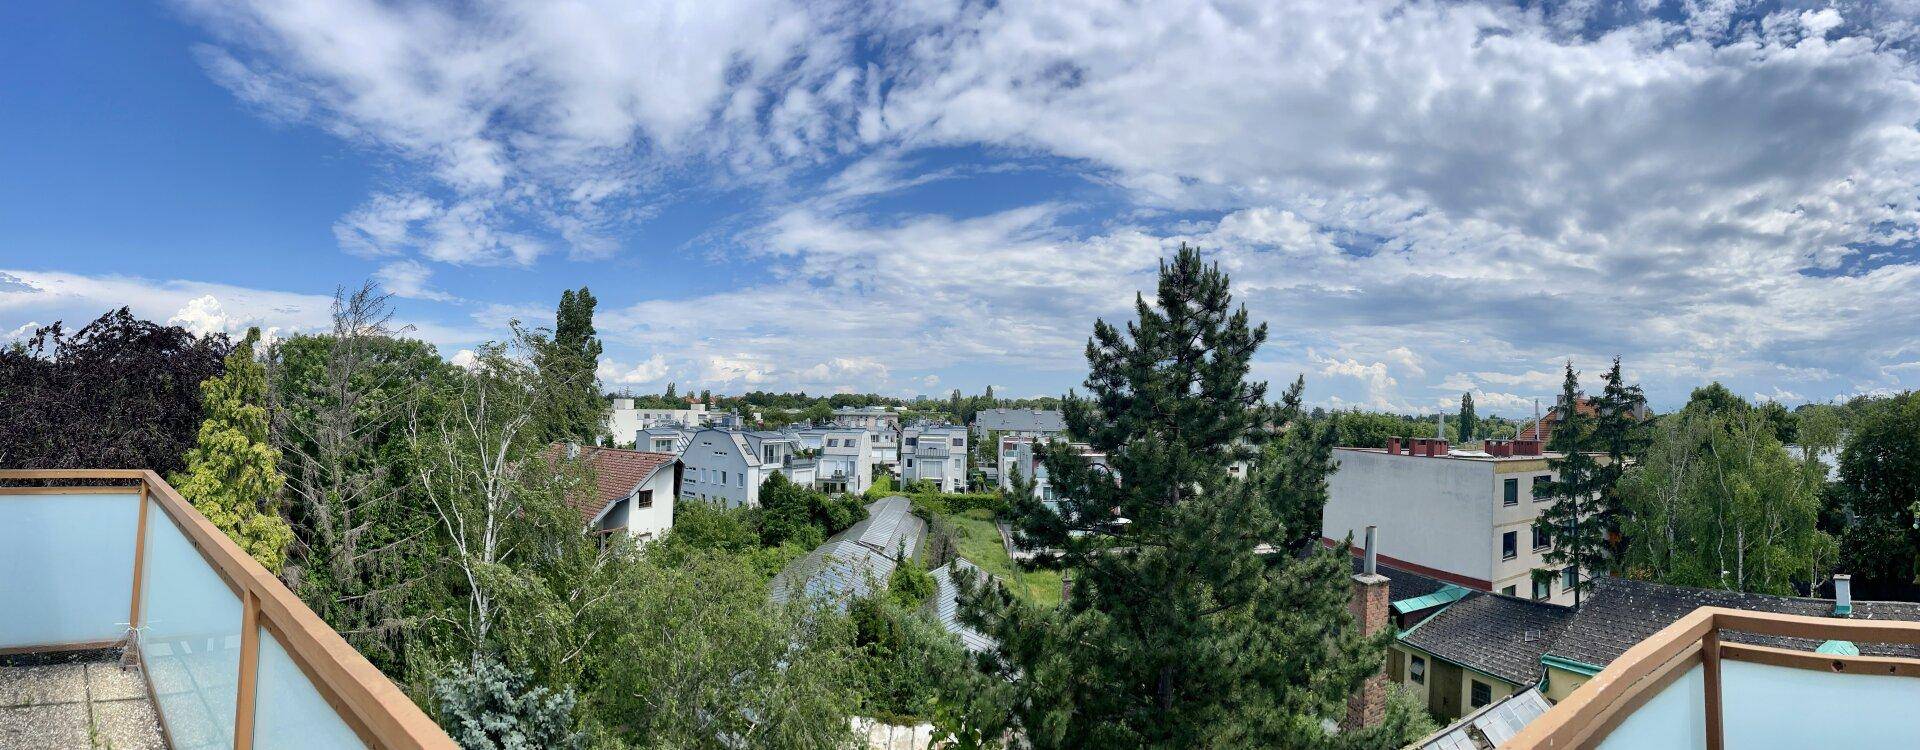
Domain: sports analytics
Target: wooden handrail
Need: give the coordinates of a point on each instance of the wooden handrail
(1593, 709)
(366, 700)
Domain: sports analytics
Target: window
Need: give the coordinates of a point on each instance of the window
(644, 499)
(723, 477)
(833, 443)
(1567, 578)
(1509, 543)
(743, 479)
(1419, 670)
(1538, 485)
(1540, 540)
(957, 442)
(1513, 493)
(909, 463)
(1509, 591)
(1543, 589)
(1482, 694)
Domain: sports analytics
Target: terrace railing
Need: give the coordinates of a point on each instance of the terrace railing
(1686, 687)
(232, 659)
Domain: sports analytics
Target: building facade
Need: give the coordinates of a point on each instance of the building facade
(634, 491)
(1467, 517)
(936, 453)
(728, 466)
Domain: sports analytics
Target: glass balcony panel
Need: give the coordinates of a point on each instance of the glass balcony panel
(289, 713)
(189, 639)
(66, 567)
(1782, 707)
(1676, 718)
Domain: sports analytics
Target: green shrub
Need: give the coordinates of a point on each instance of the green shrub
(492, 707)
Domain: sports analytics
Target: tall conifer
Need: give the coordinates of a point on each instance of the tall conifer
(232, 475)
(1184, 627)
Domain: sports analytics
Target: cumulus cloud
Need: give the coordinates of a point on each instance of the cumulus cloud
(408, 278)
(650, 372)
(1468, 193)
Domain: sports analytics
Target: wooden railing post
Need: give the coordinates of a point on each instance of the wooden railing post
(249, 672)
(139, 559)
(1710, 669)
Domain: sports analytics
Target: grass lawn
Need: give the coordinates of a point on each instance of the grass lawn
(980, 543)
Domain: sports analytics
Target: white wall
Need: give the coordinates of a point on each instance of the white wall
(715, 471)
(1436, 512)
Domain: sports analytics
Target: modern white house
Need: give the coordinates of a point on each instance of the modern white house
(1462, 516)
(868, 417)
(625, 421)
(1019, 454)
(844, 456)
(1044, 424)
(727, 466)
(663, 439)
(937, 453)
(634, 491)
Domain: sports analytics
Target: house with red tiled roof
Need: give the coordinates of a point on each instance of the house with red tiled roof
(633, 492)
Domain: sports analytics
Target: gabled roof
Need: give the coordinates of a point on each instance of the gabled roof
(617, 473)
(1498, 635)
(856, 562)
(1619, 613)
(945, 604)
(1503, 636)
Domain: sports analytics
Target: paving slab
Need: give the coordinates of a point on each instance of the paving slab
(125, 725)
(42, 684)
(61, 726)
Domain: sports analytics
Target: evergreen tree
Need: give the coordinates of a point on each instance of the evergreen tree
(1178, 632)
(1575, 534)
(1619, 432)
(232, 475)
(1468, 422)
(573, 409)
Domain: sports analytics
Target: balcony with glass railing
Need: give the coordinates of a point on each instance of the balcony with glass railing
(115, 561)
(1688, 686)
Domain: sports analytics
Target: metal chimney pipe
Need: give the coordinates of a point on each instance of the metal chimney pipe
(1372, 565)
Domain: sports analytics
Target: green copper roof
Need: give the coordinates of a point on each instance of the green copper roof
(1446, 595)
(1843, 648)
(1571, 665)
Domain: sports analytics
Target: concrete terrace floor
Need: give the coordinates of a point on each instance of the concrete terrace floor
(81, 699)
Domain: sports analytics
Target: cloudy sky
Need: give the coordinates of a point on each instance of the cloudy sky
(1421, 199)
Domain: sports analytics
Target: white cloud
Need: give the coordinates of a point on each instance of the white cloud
(408, 278)
(202, 315)
(1469, 193)
(21, 333)
(651, 371)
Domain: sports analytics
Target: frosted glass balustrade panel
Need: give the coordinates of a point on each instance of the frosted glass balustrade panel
(66, 567)
(1782, 707)
(1676, 719)
(289, 713)
(190, 638)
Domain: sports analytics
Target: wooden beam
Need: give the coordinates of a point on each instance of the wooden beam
(56, 648)
(1710, 669)
(249, 672)
(139, 561)
(1890, 666)
(1571, 722)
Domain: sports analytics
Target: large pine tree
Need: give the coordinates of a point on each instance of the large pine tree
(232, 475)
(1183, 627)
(1575, 532)
(1618, 432)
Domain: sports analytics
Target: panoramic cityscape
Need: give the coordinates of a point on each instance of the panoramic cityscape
(937, 374)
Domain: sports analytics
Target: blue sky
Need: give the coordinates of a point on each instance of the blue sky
(912, 196)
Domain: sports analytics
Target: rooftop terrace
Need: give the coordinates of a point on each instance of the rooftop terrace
(1687, 686)
(126, 618)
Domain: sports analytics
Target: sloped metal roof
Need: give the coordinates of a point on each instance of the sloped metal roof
(945, 604)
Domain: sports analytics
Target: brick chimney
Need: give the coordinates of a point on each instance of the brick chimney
(1369, 604)
(1393, 445)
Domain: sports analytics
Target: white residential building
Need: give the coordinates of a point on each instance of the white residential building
(727, 466)
(663, 439)
(868, 417)
(1045, 424)
(937, 453)
(635, 490)
(1465, 517)
(844, 457)
(1020, 454)
(625, 421)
